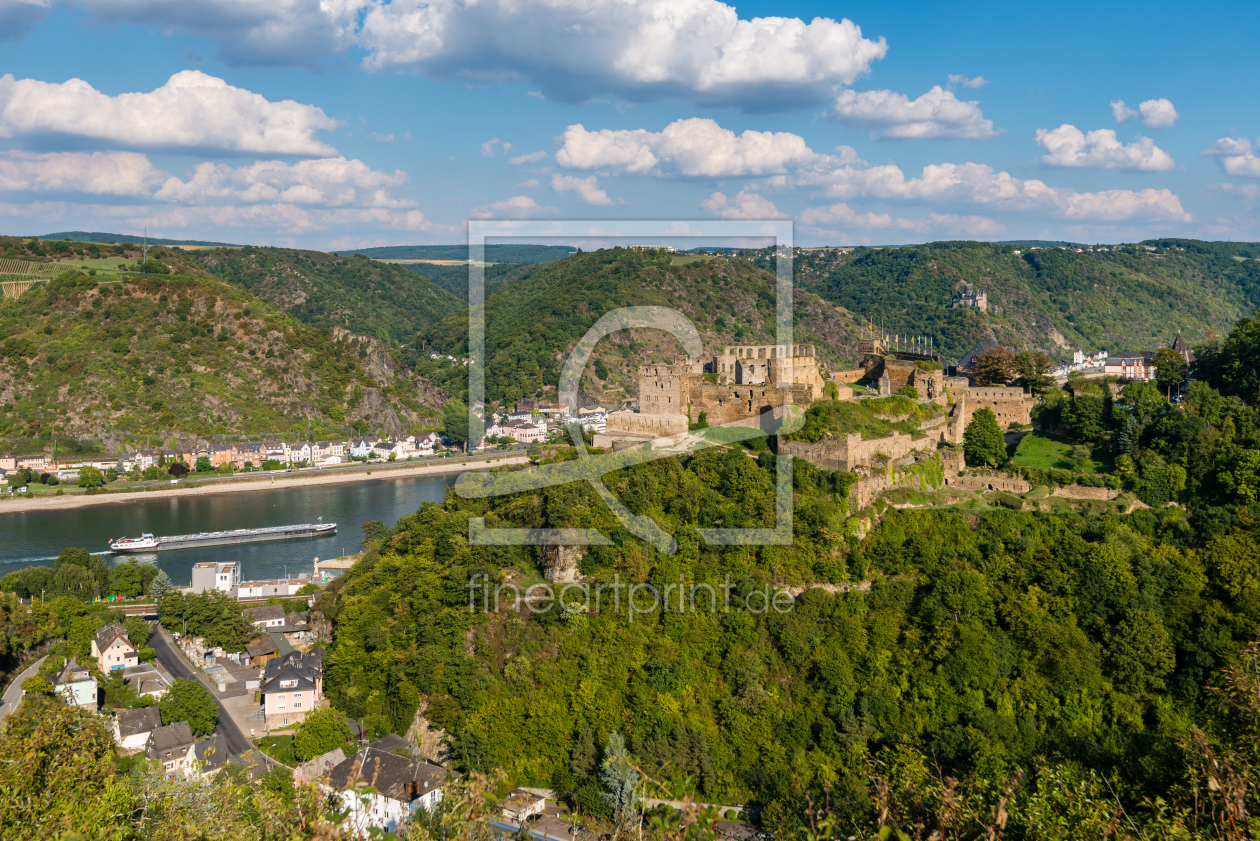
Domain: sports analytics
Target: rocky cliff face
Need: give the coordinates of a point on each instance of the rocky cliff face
(401, 400)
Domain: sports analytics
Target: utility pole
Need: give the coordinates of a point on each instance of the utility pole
(145, 248)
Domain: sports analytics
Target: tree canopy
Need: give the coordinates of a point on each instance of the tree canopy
(983, 442)
(187, 700)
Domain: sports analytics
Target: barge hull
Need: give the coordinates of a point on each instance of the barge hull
(234, 540)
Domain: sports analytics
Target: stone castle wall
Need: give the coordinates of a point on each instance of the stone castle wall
(1010, 405)
(636, 426)
(851, 452)
(987, 482)
(1082, 492)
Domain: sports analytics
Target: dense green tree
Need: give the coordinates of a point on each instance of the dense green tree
(1033, 370)
(1170, 369)
(90, 477)
(983, 442)
(188, 700)
(620, 779)
(321, 731)
(995, 366)
(455, 422)
(160, 587)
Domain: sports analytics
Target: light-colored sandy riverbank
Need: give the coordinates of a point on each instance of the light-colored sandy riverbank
(266, 481)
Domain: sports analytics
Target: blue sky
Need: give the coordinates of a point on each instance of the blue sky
(360, 122)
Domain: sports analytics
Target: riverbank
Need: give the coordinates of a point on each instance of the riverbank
(265, 481)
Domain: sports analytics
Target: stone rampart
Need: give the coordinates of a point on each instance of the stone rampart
(850, 376)
(1009, 405)
(851, 452)
(987, 482)
(636, 426)
(1083, 492)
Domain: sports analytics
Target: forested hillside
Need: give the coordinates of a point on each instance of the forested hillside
(323, 290)
(493, 253)
(532, 324)
(957, 662)
(144, 358)
(454, 277)
(1048, 299)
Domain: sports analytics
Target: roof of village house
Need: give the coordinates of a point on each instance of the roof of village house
(266, 613)
(391, 743)
(72, 672)
(253, 761)
(970, 357)
(1144, 355)
(393, 776)
(294, 618)
(170, 737)
(322, 765)
(105, 636)
(134, 722)
(211, 752)
(262, 647)
(291, 668)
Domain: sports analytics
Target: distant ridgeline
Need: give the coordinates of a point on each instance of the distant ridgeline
(97, 236)
(494, 253)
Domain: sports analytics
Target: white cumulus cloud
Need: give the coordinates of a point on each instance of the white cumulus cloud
(277, 32)
(191, 111)
(980, 184)
(572, 50)
(700, 148)
(529, 185)
(840, 217)
(586, 188)
(531, 158)
(331, 182)
(977, 82)
(102, 173)
(935, 114)
(1070, 147)
(744, 205)
(1235, 155)
(699, 50)
(1154, 113)
(694, 147)
(517, 207)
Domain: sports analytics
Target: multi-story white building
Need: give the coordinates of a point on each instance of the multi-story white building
(224, 576)
(382, 790)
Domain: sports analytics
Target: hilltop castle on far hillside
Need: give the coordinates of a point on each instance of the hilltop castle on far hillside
(972, 298)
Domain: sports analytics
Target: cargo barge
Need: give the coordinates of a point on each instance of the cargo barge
(149, 543)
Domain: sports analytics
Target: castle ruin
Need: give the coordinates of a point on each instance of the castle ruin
(746, 384)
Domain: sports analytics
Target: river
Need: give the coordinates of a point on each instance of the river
(37, 537)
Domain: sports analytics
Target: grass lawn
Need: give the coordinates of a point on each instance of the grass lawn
(686, 259)
(1045, 451)
(279, 748)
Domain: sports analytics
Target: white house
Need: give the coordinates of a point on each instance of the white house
(132, 727)
(382, 790)
(268, 616)
(112, 650)
(360, 448)
(297, 452)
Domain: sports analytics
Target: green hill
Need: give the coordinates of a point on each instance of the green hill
(324, 290)
(454, 278)
(534, 323)
(149, 357)
(1050, 299)
(493, 253)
